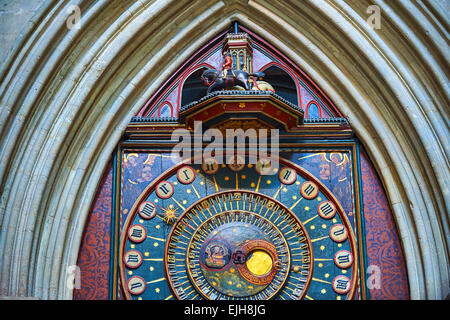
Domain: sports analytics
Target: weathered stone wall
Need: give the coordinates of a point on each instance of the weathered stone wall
(15, 17)
(68, 93)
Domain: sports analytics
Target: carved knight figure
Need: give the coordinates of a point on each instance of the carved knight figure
(227, 64)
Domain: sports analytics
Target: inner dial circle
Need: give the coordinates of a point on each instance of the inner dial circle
(237, 251)
(240, 255)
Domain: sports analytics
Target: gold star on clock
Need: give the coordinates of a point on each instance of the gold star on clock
(170, 215)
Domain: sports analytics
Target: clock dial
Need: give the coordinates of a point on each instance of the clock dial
(238, 231)
(236, 248)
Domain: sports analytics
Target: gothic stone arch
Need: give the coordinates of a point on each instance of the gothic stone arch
(67, 93)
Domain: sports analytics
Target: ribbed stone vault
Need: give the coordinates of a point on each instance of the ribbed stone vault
(68, 94)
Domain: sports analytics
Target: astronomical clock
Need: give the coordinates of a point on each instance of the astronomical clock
(228, 185)
(233, 232)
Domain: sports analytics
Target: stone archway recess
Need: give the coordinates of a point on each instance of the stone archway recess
(68, 93)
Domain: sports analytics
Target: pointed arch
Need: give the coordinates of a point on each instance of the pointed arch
(69, 93)
(283, 82)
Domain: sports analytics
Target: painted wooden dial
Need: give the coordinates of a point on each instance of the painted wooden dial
(236, 248)
(215, 231)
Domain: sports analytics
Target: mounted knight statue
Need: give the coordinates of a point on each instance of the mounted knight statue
(229, 78)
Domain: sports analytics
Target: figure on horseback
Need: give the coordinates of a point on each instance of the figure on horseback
(227, 64)
(228, 78)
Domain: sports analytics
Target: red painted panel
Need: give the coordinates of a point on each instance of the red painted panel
(384, 249)
(94, 256)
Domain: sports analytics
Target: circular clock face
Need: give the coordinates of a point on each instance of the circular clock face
(237, 232)
(236, 248)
